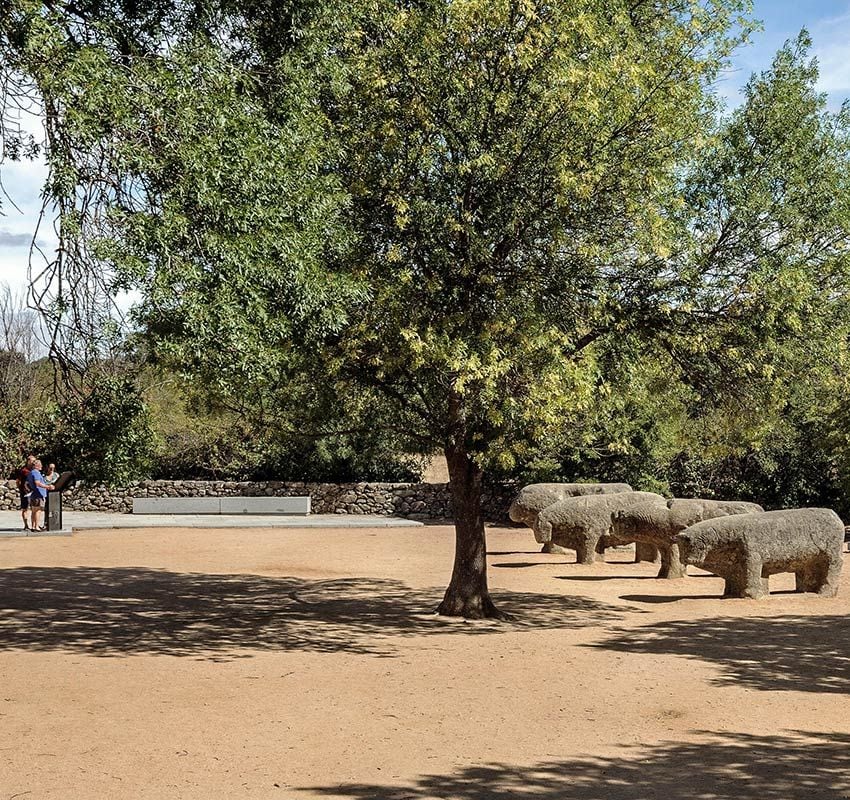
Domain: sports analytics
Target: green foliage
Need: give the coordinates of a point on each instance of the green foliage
(508, 165)
(16, 438)
(105, 438)
(767, 208)
(228, 455)
(200, 439)
(464, 208)
(783, 445)
(24, 400)
(446, 204)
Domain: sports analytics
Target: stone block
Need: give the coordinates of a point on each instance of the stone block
(265, 505)
(176, 505)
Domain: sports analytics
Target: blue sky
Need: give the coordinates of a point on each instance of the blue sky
(827, 20)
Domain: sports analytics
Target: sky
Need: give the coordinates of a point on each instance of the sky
(828, 21)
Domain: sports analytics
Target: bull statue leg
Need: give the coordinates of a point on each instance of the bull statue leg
(833, 575)
(744, 582)
(600, 549)
(811, 576)
(587, 549)
(543, 531)
(646, 551)
(551, 547)
(757, 581)
(735, 584)
(671, 563)
(819, 576)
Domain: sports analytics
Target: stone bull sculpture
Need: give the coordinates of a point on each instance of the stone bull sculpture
(746, 549)
(658, 525)
(584, 523)
(532, 499)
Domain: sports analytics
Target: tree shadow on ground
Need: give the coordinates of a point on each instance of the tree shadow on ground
(793, 766)
(594, 578)
(804, 654)
(655, 599)
(118, 611)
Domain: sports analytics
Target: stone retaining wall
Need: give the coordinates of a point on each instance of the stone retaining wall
(411, 500)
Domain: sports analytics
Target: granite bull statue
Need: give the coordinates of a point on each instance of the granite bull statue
(657, 524)
(532, 499)
(585, 523)
(746, 549)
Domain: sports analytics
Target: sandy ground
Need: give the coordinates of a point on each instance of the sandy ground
(304, 664)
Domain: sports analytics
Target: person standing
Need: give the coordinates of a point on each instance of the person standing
(23, 488)
(39, 490)
(51, 475)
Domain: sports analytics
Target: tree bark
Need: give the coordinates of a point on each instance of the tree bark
(467, 595)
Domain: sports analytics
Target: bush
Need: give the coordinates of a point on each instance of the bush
(230, 453)
(104, 438)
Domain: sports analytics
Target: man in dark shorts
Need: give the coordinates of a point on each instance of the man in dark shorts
(23, 488)
(38, 494)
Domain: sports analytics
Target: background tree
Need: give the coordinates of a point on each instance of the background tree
(753, 406)
(18, 375)
(19, 347)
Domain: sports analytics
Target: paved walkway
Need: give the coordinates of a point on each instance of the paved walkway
(10, 521)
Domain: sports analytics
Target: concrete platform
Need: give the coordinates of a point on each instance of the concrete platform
(10, 522)
(17, 533)
(274, 506)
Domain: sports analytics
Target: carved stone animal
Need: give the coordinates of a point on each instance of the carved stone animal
(584, 523)
(746, 549)
(658, 525)
(532, 499)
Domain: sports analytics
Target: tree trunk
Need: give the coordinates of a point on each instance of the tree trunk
(467, 595)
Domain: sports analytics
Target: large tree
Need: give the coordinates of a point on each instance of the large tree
(511, 169)
(470, 209)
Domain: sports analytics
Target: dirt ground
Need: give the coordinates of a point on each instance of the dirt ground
(305, 664)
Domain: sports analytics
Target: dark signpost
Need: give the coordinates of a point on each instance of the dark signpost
(53, 509)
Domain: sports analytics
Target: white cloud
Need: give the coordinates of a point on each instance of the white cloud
(22, 183)
(13, 267)
(26, 114)
(832, 48)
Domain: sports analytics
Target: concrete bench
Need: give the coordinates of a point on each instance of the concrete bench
(281, 506)
(265, 505)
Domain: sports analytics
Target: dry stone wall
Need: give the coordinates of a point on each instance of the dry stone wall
(410, 500)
